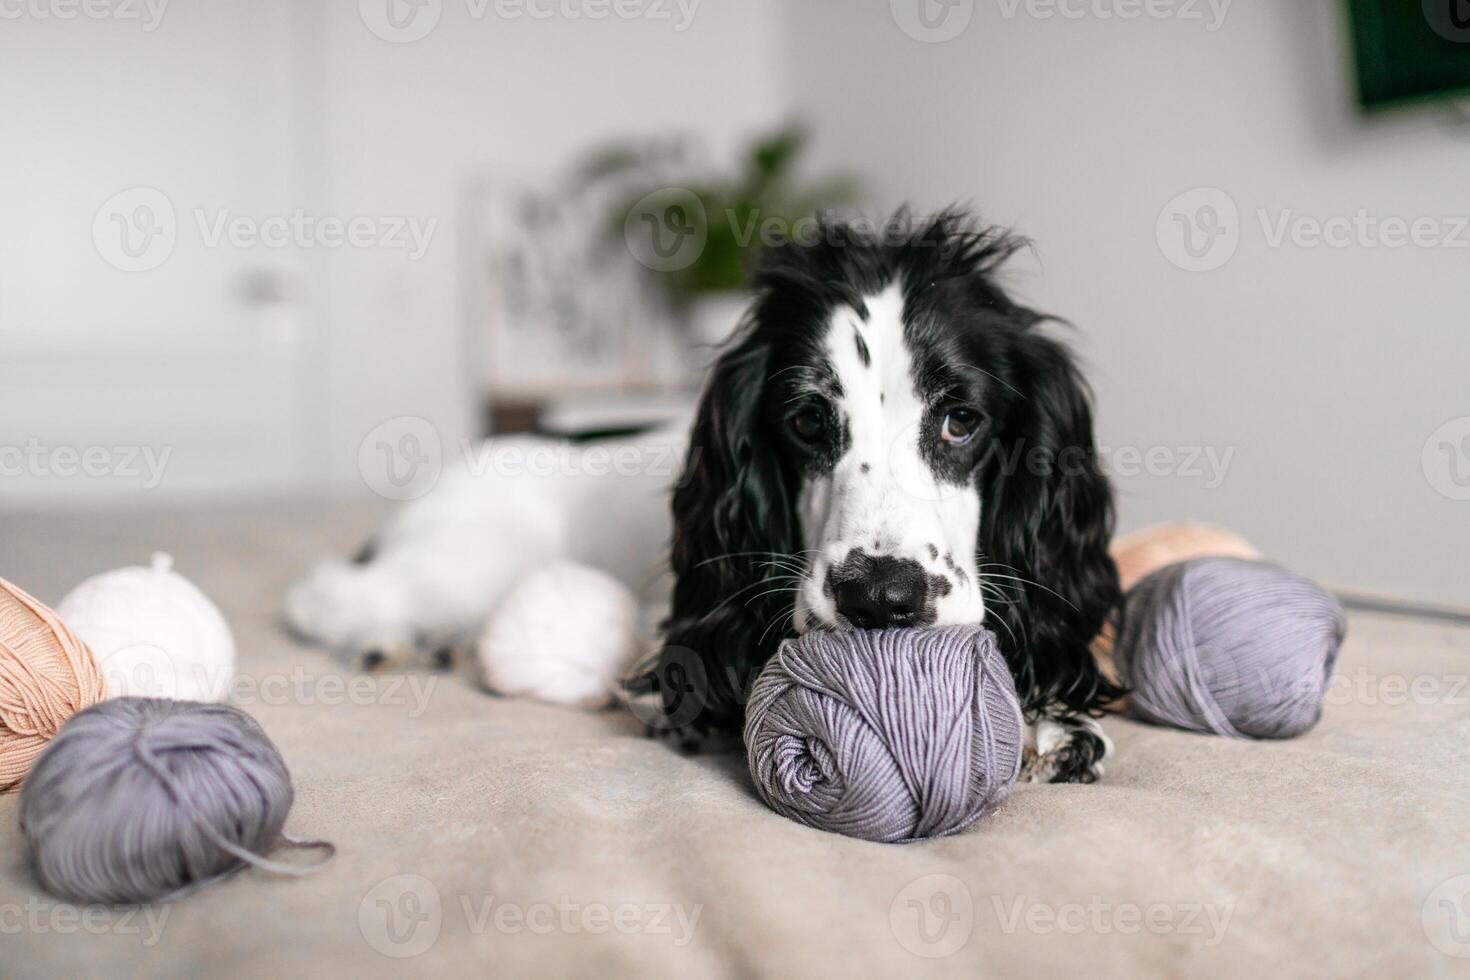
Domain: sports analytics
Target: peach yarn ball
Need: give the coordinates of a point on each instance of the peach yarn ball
(46, 675)
(1151, 548)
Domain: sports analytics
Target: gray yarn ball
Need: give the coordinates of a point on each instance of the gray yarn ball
(1230, 647)
(141, 799)
(891, 735)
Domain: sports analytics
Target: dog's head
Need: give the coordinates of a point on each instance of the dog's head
(891, 441)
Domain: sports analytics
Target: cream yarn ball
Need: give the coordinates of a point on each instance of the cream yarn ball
(565, 633)
(154, 634)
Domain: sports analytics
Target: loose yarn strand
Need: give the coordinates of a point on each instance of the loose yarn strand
(155, 766)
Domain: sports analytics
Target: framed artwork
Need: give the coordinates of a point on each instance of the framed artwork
(558, 304)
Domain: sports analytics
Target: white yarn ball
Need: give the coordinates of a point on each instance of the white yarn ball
(565, 634)
(154, 634)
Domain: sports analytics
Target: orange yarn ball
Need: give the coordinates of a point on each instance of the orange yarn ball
(46, 676)
(1158, 545)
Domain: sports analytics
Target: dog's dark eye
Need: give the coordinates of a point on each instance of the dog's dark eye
(960, 426)
(809, 424)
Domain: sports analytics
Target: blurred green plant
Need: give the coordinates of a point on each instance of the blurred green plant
(736, 216)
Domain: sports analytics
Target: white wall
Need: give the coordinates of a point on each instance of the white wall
(407, 127)
(260, 108)
(157, 378)
(1324, 370)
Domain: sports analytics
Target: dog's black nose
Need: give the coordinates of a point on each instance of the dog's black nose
(887, 592)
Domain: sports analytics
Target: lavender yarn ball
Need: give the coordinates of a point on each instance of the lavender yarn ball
(888, 735)
(1229, 646)
(142, 799)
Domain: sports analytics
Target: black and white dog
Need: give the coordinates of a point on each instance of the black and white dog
(889, 440)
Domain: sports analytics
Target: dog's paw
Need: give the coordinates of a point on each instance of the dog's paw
(1066, 750)
(423, 654)
(380, 658)
(674, 731)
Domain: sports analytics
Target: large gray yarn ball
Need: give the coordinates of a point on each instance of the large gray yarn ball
(891, 735)
(137, 799)
(1229, 646)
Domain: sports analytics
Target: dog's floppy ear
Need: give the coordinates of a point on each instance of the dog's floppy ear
(734, 525)
(1048, 521)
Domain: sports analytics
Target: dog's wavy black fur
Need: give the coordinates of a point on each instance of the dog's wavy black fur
(1047, 509)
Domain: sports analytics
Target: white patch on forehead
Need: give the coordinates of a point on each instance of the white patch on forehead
(879, 402)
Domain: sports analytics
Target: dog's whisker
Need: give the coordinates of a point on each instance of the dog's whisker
(779, 555)
(1028, 581)
(739, 592)
(1006, 626)
(789, 618)
(794, 367)
(1000, 380)
(992, 576)
(1003, 589)
(753, 598)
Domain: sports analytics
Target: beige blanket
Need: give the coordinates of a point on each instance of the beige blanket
(482, 836)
